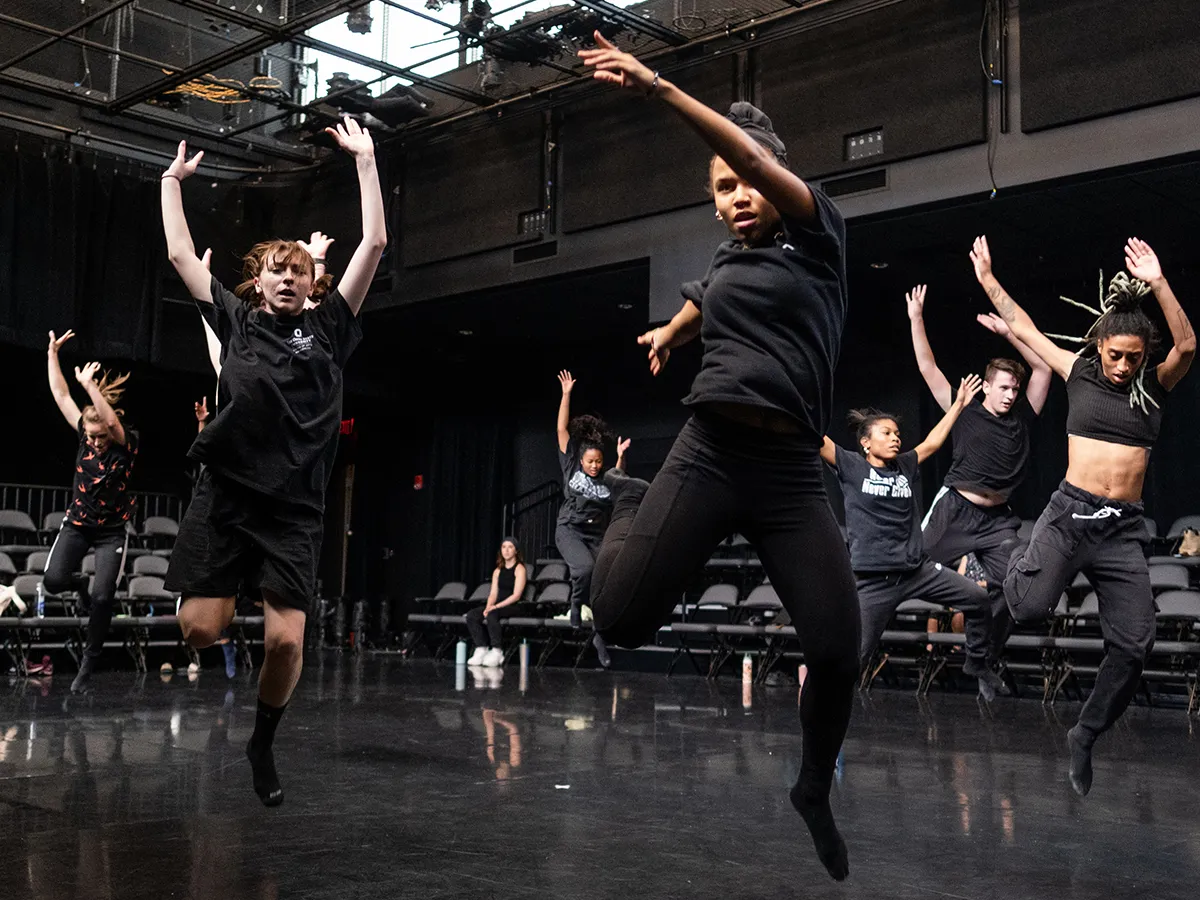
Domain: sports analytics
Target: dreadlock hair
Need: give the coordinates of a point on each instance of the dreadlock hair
(111, 388)
(1120, 312)
(589, 433)
(281, 253)
(863, 420)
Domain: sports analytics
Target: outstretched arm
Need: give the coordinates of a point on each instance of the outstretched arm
(786, 191)
(967, 389)
(180, 249)
(622, 446)
(358, 276)
(87, 379)
(828, 451)
(1039, 372)
(59, 388)
(1143, 263)
(682, 328)
(564, 410)
(1023, 329)
(939, 385)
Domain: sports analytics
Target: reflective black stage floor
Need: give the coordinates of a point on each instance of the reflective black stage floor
(583, 785)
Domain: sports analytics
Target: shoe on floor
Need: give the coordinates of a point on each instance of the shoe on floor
(477, 657)
(585, 614)
(493, 657)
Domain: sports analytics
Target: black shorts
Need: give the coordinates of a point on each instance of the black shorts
(233, 538)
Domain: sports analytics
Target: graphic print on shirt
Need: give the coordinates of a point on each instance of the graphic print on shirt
(589, 487)
(299, 341)
(895, 486)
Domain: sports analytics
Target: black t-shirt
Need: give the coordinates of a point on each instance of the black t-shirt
(1102, 410)
(587, 501)
(100, 496)
(990, 452)
(279, 397)
(773, 319)
(883, 517)
(506, 583)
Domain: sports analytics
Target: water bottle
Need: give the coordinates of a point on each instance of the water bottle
(460, 653)
(41, 601)
(747, 669)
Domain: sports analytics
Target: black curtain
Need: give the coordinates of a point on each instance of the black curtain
(470, 478)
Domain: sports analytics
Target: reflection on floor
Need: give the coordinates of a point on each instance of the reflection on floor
(405, 779)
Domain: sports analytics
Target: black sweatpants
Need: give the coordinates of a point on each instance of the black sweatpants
(476, 622)
(578, 549)
(70, 547)
(879, 593)
(954, 527)
(723, 477)
(1104, 539)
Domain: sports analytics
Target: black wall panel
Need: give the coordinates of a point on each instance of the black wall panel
(912, 68)
(1081, 59)
(464, 195)
(623, 158)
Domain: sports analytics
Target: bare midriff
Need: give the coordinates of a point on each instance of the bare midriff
(983, 498)
(1115, 471)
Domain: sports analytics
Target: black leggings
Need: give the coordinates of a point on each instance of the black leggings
(68, 551)
(578, 549)
(476, 622)
(722, 477)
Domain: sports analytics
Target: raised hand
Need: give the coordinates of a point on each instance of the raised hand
(658, 354)
(994, 324)
(622, 446)
(1141, 261)
(617, 67)
(181, 167)
(567, 382)
(981, 258)
(967, 389)
(317, 245)
(202, 410)
(87, 374)
(352, 138)
(915, 301)
(56, 342)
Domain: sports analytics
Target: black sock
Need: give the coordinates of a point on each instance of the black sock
(810, 797)
(262, 759)
(1081, 761)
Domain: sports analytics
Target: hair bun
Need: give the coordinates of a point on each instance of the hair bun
(1125, 293)
(757, 124)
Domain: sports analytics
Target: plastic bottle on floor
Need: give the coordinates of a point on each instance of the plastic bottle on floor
(41, 601)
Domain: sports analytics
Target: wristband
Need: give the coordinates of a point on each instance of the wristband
(319, 260)
(169, 175)
(653, 86)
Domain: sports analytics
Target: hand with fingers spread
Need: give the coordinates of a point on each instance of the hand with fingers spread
(614, 66)
(658, 354)
(87, 374)
(317, 245)
(57, 342)
(914, 300)
(981, 258)
(622, 445)
(567, 382)
(967, 389)
(994, 324)
(353, 138)
(1142, 262)
(181, 167)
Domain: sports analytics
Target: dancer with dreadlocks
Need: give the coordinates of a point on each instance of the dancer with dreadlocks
(1093, 522)
(587, 501)
(770, 314)
(101, 504)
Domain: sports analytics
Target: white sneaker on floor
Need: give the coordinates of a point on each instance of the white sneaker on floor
(563, 617)
(585, 613)
(493, 657)
(477, 657)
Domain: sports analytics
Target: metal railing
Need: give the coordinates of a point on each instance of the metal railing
(39, 500)
(531, 519)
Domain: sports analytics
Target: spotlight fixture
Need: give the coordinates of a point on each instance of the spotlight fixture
(359, 20)
(879, 265)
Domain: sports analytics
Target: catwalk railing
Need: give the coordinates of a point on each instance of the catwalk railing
(531, 519)
(39, 500)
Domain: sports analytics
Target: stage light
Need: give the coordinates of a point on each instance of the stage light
(359, 20)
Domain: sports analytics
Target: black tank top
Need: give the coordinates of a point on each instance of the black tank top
(1101, 410)
(508, 581)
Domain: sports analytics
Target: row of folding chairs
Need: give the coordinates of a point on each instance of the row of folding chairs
(20, 536)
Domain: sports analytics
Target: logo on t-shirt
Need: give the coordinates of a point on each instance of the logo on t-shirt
(895, 486)
(581, 484)
(299, 341)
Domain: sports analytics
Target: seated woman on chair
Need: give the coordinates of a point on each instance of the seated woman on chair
(508, 586)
